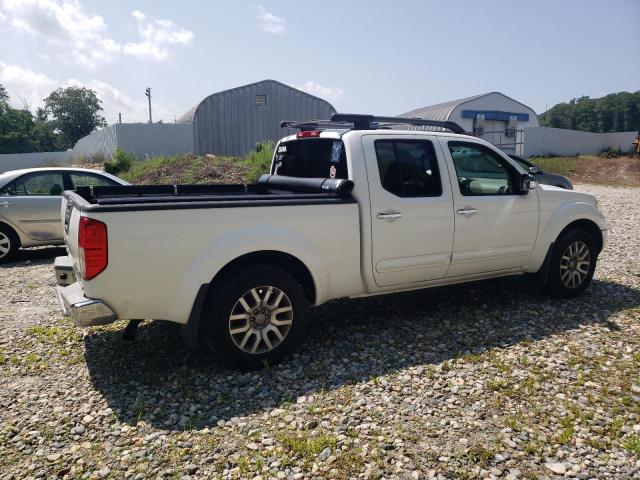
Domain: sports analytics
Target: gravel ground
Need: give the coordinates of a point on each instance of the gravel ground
(473, 381)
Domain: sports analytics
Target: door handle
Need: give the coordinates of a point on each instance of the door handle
(388, 215)
(466, 211)
(5, 204)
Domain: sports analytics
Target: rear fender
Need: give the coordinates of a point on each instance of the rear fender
(232, 245)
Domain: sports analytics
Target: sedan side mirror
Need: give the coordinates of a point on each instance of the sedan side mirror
(526, 183)
(533, 170)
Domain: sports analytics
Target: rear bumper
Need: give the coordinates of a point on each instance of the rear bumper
(85, 312)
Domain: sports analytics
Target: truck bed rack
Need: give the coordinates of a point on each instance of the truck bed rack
(354, 121)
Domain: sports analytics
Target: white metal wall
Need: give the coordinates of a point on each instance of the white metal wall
(15, 161)
(141, 139)
(559, 141)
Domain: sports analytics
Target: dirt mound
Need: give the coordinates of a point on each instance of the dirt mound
(189, 169)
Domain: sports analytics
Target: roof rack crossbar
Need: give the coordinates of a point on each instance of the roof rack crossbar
(364, 122)
(313, 124)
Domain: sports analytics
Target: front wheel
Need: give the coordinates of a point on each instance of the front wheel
(572, 264)
(256, 318)
(9, 244)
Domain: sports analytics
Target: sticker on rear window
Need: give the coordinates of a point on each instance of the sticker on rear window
(336, 150)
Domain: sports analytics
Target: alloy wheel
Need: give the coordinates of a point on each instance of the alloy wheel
(260, 319)
(5, 244)
(574, 264)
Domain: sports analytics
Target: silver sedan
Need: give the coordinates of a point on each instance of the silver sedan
(30, 202)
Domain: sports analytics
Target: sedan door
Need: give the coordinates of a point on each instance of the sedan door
(411, 209)
(495, 225)
(32, 204)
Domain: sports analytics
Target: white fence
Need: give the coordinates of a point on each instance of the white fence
(14, 161)
(141, 139)
(558, 141)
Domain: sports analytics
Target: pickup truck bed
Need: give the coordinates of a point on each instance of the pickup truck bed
(269, 191)
(152, 230)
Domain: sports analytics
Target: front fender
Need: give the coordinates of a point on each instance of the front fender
(249, 239)
(556, 223)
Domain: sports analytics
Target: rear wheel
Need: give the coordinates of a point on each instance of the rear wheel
(572, 264)
(256, 317)
(9, 244)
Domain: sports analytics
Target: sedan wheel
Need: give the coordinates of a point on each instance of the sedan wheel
(5, 245)
(9, 244)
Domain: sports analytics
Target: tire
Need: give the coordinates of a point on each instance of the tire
(572, 264)
(249, 334)
(9, 244)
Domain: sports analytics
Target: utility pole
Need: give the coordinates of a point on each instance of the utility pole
(148, 94)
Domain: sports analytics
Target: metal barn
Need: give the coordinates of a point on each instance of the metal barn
(492, 116)
(233, 121)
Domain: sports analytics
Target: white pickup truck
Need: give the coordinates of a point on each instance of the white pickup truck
(352, 207)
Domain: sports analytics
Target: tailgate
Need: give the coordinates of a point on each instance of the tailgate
(70, 218)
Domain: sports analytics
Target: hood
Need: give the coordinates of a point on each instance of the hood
(564, 195)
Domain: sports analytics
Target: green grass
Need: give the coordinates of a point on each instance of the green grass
(308, 447)
(149, 165)
(632, 444)
(259, 160)
(191, 169)
(564, 165)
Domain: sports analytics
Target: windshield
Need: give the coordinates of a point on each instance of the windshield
(311, 158)
(523, 163)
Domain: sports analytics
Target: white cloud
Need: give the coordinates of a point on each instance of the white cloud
(327, 93)
(269, 22)
(25, 87)
(28, 87)
(115, 101)
(155, 37)
(74, 35)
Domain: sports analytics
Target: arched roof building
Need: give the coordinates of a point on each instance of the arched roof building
(231, 122)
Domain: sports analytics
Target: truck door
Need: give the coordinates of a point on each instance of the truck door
(495, 226)
(411, 209)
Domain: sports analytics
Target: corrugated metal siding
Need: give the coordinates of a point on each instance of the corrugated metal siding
(141, 139)
(230, 123)
(101, 142)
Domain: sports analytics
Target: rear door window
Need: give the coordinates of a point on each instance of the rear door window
(49, 183)
(311, 158)
(408, 168)
(90, 180)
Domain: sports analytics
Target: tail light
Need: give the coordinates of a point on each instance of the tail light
(308, 134)
(92, 241)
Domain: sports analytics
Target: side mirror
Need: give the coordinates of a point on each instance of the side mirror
(526, 183)
(533, 170)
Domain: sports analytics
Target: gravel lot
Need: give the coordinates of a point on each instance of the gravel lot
(473, 381)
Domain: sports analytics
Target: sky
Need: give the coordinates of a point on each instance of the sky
(378, 57)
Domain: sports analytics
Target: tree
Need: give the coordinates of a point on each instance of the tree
(75, 113)
(616, 112)
(15, 126)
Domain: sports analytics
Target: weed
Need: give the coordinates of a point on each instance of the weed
(121, 161)
(307, 447)
(259, 160)
(632, 444)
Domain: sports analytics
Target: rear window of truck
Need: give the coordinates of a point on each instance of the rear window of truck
(311, 158)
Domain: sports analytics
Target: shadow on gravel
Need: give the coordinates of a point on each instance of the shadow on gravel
(156, 379)
(39, 255)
